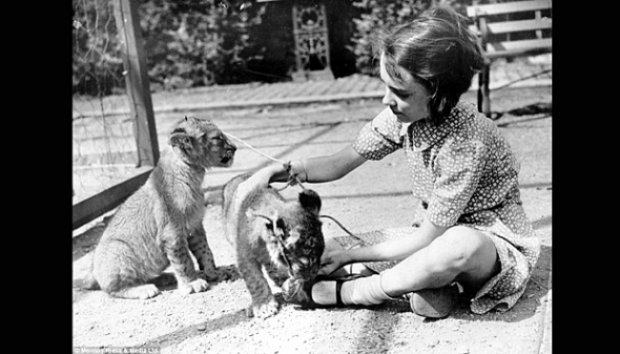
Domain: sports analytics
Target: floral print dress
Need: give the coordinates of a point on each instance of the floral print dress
(464, 173)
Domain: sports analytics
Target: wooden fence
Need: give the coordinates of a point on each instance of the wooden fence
(128, 24)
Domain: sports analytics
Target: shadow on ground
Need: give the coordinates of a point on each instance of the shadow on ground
(167, 281)
(514, 122)
(378, 331)
(217, 324)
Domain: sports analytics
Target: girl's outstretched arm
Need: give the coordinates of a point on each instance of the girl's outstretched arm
(396, 249)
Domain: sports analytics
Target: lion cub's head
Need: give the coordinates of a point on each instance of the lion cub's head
(202, 143)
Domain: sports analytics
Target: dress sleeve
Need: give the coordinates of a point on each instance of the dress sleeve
(379, 137)
(458, 168)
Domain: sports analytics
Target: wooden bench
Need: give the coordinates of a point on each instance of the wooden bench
(502, 35)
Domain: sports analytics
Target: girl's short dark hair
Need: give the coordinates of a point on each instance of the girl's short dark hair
(439, 51)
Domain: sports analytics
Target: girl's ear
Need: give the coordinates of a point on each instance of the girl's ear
(310, 201)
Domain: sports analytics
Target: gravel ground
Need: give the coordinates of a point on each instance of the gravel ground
(214, 321)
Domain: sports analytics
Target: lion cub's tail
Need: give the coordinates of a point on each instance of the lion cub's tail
(87, 283)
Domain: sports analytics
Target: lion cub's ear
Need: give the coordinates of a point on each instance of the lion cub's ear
(310, 201)
(179, 137)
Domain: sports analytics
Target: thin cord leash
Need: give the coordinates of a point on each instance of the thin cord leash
(342, 227)
(255, 149)
(287, 165)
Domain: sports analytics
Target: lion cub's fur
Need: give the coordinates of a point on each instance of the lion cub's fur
(161, 222)
(255, 216)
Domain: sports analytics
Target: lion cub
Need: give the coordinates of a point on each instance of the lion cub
(161, 223)
(271, 235)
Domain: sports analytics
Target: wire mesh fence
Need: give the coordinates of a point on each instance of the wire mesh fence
(104, 147)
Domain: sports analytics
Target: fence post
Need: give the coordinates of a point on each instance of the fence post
(136, 78)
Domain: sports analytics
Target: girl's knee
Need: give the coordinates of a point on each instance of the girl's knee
(464, 247)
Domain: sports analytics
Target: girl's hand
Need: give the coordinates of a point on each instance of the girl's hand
(295, 174)
(275, 173)
(333, 260)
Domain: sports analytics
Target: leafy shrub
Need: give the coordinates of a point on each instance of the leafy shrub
(382, 14)
(188, 43)
(192, 43)
(198, 43)
(97, 61)
(379, 14)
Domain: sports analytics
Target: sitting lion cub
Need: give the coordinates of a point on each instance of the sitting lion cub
(271, 235)
(161, 223)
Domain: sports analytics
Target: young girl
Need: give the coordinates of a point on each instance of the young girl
(474, 231)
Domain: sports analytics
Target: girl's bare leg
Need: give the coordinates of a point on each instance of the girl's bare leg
(461, 254)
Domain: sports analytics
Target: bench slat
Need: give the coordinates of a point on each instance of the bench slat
(518, 26)
(501, 48)
(498, 9)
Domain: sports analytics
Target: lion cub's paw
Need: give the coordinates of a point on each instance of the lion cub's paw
(195, 286)
(148, 291)
(264, 310)
(141, 292)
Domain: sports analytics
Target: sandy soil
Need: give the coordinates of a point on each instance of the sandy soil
(373, 197)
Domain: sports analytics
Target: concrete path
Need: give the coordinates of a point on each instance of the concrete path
(519, 73)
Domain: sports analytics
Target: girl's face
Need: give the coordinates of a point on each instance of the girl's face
(407, 100)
